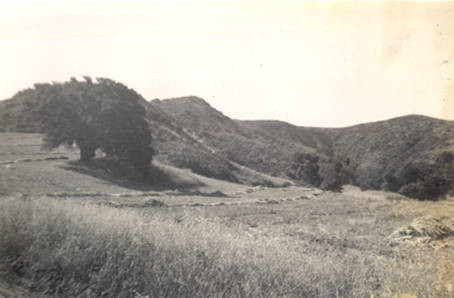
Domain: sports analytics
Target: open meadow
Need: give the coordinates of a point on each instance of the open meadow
(66, 230)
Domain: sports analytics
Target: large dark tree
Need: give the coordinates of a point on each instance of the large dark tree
(102, 115)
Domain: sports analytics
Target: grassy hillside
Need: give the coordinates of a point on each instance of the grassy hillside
(181, 146)
(412, 155)
(266, 146)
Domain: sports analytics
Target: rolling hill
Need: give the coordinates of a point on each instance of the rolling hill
(174, 144)
(408, 151)
(412, 155)
(266, 146)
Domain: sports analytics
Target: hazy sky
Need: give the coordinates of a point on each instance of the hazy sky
(318, 64)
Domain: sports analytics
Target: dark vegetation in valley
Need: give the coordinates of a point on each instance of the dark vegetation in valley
(412, 155)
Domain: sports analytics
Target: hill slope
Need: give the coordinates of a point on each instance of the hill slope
(266, 146)
(405, 151)
(411, 154)
(174, 144)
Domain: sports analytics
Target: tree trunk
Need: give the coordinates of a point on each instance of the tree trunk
(87, 151)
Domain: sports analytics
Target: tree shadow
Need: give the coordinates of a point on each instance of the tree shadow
(124, 175)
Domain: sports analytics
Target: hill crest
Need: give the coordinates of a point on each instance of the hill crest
(189, 133)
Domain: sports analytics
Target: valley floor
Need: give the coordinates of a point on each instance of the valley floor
(66, 233)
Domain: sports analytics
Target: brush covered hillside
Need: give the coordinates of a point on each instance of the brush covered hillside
(266, 146)
(413, 155)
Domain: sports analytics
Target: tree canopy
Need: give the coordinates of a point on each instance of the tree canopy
(104, 115)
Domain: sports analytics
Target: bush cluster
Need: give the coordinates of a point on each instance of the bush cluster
(424, 182)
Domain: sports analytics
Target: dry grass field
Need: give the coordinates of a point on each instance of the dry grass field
(66, 233)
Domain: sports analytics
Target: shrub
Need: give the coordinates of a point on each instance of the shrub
(332, 175)
(424, 182)
(305, 167)
(431, 188)
(368, 176)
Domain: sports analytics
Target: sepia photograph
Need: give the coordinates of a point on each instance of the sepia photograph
(226, 148)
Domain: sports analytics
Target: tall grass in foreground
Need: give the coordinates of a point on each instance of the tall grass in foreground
(65, 248)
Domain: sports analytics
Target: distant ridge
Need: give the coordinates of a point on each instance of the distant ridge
(410, 154)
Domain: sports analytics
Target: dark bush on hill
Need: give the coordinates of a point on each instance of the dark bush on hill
(424, 182)
(432, 188)
(368, 176)
(328, 174)
(331, 172)
(305, 167)
(390, 182)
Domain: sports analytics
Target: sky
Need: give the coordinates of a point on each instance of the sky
(309, 63)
